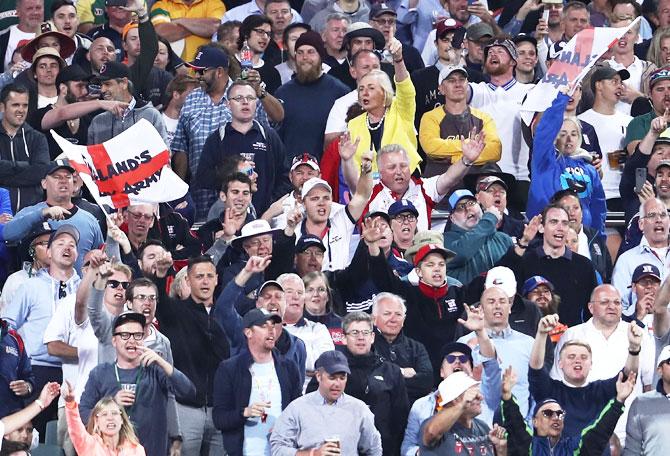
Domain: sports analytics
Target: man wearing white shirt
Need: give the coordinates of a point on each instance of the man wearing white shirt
(501, 98)
(30, 14)
(240, 13)
(607, 335)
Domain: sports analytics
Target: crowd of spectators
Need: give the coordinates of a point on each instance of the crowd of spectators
(377, 253)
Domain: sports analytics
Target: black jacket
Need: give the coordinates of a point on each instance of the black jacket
(24, 160)
(172, 229)
(406, 352)
(600, 256)
(380, 384)
(198, 343)
(232, 389)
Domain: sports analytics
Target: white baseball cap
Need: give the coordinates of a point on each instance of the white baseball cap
(503, 278)
(314, 182)
(664, 355)
(455, 385)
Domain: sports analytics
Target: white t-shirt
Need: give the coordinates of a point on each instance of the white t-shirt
(279, 221)
(43, 102)
(170, 127)
(503, 104)
(264, 388)
(15, 35)
(338, 113)
(611, 131)
(62, 327)
(337, 239)
(635, 81)
(583, 248)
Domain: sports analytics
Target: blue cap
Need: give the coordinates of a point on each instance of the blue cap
(645, 270)
(258, 317)
(208, 57)
(401, 206)
(458, 195)
(307, 241)
(332, 362)
(540, 404)
(534, 282)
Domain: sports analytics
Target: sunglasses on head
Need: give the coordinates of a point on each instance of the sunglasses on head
(559, 414)
(451, 359)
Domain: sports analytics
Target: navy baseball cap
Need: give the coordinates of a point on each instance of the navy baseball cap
(209, 57)
(645, 270)
(534, 282)
(113, 70)
(452, 347)
(332, 362)
(307, 241)
(127, 317)
(258, 317)
(401, 206)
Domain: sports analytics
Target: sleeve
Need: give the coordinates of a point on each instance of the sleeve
(492, 382)
(284, 437)
(228, 318)
(283, 256)
(24, 221)
(636, 130)
(383, 277)
(597, 205)
(205, 176)
(399, 405)
(467, 244)
(91, 394)
(430, 140)
(627, 182)
(370, 442)
(411, 443)
(520, 436)
(634, 433)
(24, 370)
(101, 320)
(82, 441)
(545, 134)
(492, 144)
(139, 71)
(422, 382)
(181, 386)
(406, 99)
(226, 414)
(513, 27)
(160, 13)
(539, 384)
(57, 329)
(595, 438)
(17, 313)
(180, 139)
(84, 12)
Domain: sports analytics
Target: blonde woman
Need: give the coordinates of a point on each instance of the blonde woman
(109, 431)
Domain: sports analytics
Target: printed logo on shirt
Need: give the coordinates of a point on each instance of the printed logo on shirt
(334, 239)
(8, 14)
(451, 305)
(260, 145)
(248, 156)
(574, 178)
(98, 12)
(12, 351)
(596, 250)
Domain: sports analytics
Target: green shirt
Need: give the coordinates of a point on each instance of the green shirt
(639, 126)
(7, 14)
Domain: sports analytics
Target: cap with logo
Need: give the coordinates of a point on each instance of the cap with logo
(113, 70)
(258, 317)
(401, 206)
(313, 183)
(645, 270)
(305, 159)
(534, 282)
(486, 183)
(503, 278)
(480, 30)
(254, 228)
(448, 70)
(607, 72)
(454, 385)
(66, 228)
(447, 25)
(381, 8)
(459, 195)
(209, 57)
(427, 249)
(307, 241)
(333, 362)
(59, 164)
(661, 74)
(128, 317)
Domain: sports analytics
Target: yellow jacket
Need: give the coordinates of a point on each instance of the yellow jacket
(398, 126)
(439, 148)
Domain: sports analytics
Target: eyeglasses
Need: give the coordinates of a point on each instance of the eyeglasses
(359, 332)
(559, 414)
(41, 243)
(654, 215)
(115, 284)
(492, 191)
(262, 32)
(126, 335)
(385, 21)
(463, 206)
(62, 290)
(405, 218)
(241, 98)
(138, 216)
(141, 297)
(109, 414)
(320, 290)
(451, 359)
(317, 254)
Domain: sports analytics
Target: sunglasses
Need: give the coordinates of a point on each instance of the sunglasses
(115, 284)
(451, 359)
(559, 414)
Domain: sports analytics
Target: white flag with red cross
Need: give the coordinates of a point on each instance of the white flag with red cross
(131, 168)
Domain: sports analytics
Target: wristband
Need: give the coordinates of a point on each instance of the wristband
(634, 353)
(519, 244)
(39, 403)
(397, 61)
(467, 165)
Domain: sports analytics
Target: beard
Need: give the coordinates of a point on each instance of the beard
(497, 70)
(308, 74)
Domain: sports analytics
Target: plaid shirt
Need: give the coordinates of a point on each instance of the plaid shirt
(199, 117)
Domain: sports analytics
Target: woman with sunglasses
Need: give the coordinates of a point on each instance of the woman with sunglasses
(109, 430)
(548, 422)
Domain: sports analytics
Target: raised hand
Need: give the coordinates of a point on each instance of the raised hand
(371, 231)
(67, 390)
(20, 387)
(508, 381)
(498, 437)
(5, 217)
(256, 264)
(531, 229)
(473, 145)
(117, 108)
(394, 46)
(634, 337)
(54, 213)
(232, 222)
(347, 147)
(119, 236)
(366, 162)
(475, 321)
(163, 264)
(547, 324)
(625, 388)
(294, 217)
(49, 392)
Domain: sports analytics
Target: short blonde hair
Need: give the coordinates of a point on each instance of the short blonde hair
(384, 82)
(575, 343)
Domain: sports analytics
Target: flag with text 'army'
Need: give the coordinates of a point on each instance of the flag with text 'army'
(131, 168)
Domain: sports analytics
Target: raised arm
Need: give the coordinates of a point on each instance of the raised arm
(363, 188)
(545, 326)
(445, 419)
(59, 114)
(472, 147)
(16, 420)
(661, 312)
(475, 323)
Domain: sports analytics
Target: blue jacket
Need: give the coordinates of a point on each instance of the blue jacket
(5, 259)
(14, 365)
(552, 172)
(232, 389)
(231, 321)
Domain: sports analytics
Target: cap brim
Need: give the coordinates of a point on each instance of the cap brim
(470, 179)
(337, 368)
(237, 242)
(312, 244)
(193, 66)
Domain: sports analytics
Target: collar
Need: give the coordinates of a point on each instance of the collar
(504, 334)
(433, 292)
(644, 246)
(506, 86)
(567, 254)
(660, 389)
